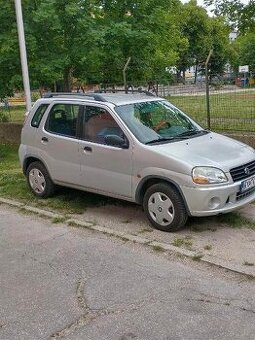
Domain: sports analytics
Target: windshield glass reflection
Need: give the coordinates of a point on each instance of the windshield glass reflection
(154, 121)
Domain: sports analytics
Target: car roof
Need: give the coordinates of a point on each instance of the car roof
(113, 98)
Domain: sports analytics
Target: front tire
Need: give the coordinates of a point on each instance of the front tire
(164, 207)
(39, 180)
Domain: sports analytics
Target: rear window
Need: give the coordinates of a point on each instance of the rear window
(38, 115)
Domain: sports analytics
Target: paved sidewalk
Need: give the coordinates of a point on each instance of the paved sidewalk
(62, 282)
(202, 239)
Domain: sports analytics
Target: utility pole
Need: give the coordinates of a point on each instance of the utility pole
(23, 53)
(207, 90)
(124, 74)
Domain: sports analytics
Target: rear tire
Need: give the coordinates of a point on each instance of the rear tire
(39, 180)
(164, 207)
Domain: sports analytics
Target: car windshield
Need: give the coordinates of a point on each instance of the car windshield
(157, 121)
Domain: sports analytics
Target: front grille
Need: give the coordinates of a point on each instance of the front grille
(242, 195)
(243, 171)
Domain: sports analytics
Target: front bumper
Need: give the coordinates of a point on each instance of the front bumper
(208, 201)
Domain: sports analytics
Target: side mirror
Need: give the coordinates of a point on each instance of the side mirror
(115, 140)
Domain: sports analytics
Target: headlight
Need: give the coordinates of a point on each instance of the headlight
(208, 175)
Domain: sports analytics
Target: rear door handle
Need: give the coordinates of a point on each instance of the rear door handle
(45, 139)
(87, 149)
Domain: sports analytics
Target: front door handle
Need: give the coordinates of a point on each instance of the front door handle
(45, 139)
(87, 149)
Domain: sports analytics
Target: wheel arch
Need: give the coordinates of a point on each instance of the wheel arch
(148, 181)
(32, 159)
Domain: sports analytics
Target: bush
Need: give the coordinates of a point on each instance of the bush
(35, 96)
(4, 117)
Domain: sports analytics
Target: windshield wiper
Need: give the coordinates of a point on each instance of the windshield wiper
(183, 135)
(163, 139)
(192, 133)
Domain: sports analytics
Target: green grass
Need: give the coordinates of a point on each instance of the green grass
(208, 247)
(67, 201)
(246, 263)
(197, 257)
(13, 185)
(212, 223)
(183, 242)
(57, 220)
(158, 248)
(229, 111)
(15, 114)
(236, 221)
(233, 111)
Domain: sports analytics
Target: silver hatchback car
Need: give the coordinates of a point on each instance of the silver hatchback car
(138, 148)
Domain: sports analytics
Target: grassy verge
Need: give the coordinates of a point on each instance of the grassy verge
(229, 111)
(13, 185)
(213, 223)
(14, 114)
(17, 114)
(233, 111)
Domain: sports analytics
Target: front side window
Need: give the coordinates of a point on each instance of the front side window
(63, 119)
(38, 115)
(157, 121)
(98, 124)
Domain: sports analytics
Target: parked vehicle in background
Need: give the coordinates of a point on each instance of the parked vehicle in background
(135, 147)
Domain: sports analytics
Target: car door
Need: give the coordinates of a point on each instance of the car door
(105, 168)
(57, 143)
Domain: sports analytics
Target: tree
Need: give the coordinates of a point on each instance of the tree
(219, 36)
(243, 52)
(147, 32)
(91, 40)
(203, 34)
(196, 29)
(59, 35)
(239, 14)
(247, 51)
(10, 70)
(58, 38)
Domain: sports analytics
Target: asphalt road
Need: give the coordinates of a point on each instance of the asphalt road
(63, 282)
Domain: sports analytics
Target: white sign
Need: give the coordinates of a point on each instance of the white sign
(244, 68)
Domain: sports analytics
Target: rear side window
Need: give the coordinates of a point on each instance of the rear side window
(38, 115)
(62, 119)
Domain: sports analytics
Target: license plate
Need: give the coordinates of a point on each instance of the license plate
(247, 184)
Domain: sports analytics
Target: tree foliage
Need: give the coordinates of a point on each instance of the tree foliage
(91, 40)
(195, 27)
(203, 34)
(239, 14)
(220, 44)
(9, 54)
(145, 31)
(243, 52)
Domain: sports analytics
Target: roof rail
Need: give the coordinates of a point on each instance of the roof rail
(127, 91)
(95, 96)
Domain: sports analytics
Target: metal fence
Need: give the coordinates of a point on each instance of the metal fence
(231, 108)
(227, 108)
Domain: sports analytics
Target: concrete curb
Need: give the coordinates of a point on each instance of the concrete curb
(160, 246)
